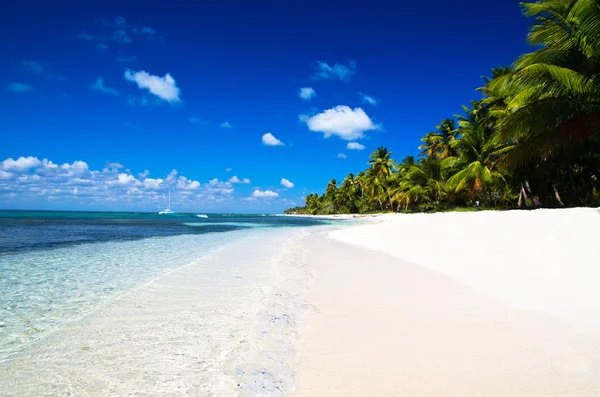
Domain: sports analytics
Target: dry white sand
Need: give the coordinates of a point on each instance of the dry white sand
(458, 304)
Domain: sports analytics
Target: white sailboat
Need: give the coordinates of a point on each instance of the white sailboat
(168, 210)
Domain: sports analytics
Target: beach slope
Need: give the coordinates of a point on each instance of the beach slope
(487, 303)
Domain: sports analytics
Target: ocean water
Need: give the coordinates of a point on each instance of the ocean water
(147, 304)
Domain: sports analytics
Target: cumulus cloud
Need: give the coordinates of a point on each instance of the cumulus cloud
(21, 164)
(342, 156)
(286, 183)
(235, 179)
(346, 123)
(164, 88)
(306, 93)
(153, 184)
(354, 146)
(335, 72)
(4, 175)
(18, 88)
(369, 99)
(99, 86)
(264, 194)
(27, 178)
(225, 124)
(270, 140)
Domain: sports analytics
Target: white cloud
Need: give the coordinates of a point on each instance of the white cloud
(227, 169)
(163, 87)
(342, 156)
(265, 194)
(150, 183)
(4, 175)
(225, 124)
(346, 123)
(286, 183)
(18, 88)
(102, 47)
(335, 72)
(99, 86)
(126, 179)
(235, 179)
(270, 140)
(21, 164)
(306, 93)
(354, 146)
(29, 178)
(369, 99)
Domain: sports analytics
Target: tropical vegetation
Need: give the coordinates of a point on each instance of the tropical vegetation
(532, 140)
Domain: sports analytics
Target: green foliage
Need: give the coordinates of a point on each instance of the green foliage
(533, 140)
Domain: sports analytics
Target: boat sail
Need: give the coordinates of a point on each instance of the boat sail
(168, 210)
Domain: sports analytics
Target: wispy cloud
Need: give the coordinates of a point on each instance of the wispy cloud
(306, 93)
(354, 146)
(33, 66)
(264, 194)
(117, 30)
(18, 88)
(270, 140)
(226, 124)
(198, 121)
(342, 156)
(286, 183)
(369, 99)
(147, 32)
(99, 86)
(346, 123)
(335, 72)
(164, 88)
(235, 179)
(228, 169)
(37, 68)
(113, 165)
(127, 59)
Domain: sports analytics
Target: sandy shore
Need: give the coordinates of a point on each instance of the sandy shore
(488, 304)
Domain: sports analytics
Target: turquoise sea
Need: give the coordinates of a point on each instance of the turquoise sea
(74, 286)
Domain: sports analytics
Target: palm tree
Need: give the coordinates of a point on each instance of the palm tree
(552, 96)
(437, 144)
(381, 162)
(479, 154)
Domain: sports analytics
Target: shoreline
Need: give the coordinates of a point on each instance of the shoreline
(400, 309)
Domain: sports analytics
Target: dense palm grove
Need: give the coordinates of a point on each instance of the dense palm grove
(533, 140)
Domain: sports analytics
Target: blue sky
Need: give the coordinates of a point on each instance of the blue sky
(234, 106)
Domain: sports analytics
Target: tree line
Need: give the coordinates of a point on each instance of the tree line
(532, 141)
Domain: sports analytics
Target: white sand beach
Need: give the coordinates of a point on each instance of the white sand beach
(455, 304)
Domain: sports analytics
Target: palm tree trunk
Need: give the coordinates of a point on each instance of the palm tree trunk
(523, 195)
(557, 195)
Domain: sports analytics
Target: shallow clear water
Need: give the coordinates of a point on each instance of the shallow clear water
(69, 280)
